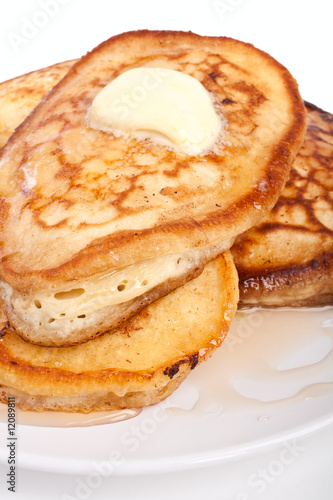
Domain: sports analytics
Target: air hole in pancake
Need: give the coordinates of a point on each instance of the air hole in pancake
(72, 294)
(38, 304)
(63, 314)
(82, 316)
(51, 320)
(121, 287)
(144, 283)
(178, 261)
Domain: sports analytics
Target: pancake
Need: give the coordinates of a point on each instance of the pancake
(95, 227)
(19, 96)
(287, 260)
(139, 364)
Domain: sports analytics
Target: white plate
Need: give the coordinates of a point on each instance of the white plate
(270, 383)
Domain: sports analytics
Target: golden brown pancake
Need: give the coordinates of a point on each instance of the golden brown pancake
(79, 205)
(139, 364)
(287, 260)
(19, 96)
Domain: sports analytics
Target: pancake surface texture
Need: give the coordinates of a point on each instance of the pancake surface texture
(139, 364)
(287, 260)
(78, 204)
(19, 96)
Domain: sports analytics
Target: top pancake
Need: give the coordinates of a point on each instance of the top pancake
(287, 260)
(85, 312)
(76, 202)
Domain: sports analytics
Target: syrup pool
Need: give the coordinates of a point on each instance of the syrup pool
(271, 360)
(62, 419)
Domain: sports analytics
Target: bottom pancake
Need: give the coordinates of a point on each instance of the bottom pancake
(136, 365)
(287, 260)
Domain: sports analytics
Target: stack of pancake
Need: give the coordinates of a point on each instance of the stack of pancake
(287, 259)
(116, 275)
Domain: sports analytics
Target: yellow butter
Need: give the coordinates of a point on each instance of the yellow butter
(166, 106)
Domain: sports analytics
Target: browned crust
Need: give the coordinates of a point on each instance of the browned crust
(307, 285)
(86, 403)
(20, 95)
(230, 221)
(61, 67)
(305, 275)
(101, 377)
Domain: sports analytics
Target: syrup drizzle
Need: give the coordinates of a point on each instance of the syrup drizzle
(271, 360)
(62, 419)
(261, 368)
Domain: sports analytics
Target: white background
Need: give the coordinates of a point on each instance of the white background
(297, 33)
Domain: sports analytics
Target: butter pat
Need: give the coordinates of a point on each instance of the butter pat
(166, 106)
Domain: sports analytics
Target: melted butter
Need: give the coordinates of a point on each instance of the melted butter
(61, 419)
(166, 106)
